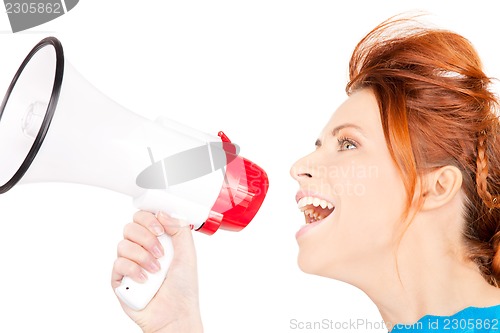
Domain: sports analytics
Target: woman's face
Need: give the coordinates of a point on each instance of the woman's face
(352, 172)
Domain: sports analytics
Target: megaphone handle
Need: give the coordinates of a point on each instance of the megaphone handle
(138, 295)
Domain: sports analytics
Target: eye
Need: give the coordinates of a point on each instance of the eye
(346, 144)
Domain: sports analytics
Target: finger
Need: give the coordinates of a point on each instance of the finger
(136, 253)
(138, 234)
(149, 221)
(125, 267)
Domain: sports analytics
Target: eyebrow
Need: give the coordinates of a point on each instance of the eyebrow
(337, 129)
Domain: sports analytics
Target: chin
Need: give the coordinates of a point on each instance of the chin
(315, 264)
(310, 265)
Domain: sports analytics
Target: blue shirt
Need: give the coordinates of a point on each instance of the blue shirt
(469, 320)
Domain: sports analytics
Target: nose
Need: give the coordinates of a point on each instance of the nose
(301, 169)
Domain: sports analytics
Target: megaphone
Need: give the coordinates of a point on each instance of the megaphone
(56, 127)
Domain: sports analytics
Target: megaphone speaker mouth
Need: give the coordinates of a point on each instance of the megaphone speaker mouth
(47, 104)
(242, 194)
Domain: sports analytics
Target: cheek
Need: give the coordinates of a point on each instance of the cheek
(375, 213)
(370, 201)
(363, 226)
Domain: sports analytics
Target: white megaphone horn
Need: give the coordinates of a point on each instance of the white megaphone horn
(56, 127)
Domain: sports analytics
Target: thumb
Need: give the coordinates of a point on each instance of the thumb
(180, 232)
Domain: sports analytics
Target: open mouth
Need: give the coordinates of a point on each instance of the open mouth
(315, 209)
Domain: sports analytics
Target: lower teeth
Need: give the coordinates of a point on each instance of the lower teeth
(313, 220)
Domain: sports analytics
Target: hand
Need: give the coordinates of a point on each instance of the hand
(175, 308)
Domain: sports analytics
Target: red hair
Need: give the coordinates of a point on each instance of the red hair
(437, 109)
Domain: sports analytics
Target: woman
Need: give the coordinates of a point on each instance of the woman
(416, 225)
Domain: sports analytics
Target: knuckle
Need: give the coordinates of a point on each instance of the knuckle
(125, 267)
(119, 266)
(122, 248)
(116, 264)
(142, 217)
(138, 214)
(127, 228)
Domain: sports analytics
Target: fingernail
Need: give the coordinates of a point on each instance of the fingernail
(157, 229)
(191, 226)
(154, 266)
(157, 251)
(142, 276)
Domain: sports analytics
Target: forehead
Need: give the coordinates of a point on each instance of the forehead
(360, 109)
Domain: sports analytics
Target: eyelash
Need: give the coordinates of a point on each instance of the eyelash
(343, 140)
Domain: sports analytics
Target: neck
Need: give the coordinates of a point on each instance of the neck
(427, 276)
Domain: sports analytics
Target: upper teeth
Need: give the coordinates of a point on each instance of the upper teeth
(316, 202)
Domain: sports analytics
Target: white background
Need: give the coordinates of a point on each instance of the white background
(268, 73)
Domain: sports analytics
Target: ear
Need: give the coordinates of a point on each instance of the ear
(441, 186)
